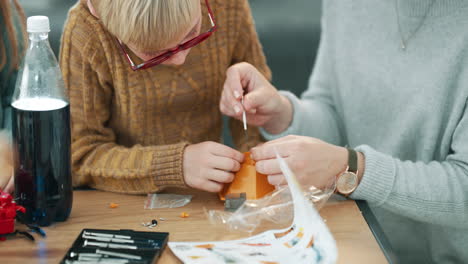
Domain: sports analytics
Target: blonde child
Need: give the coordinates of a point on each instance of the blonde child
(144, 79)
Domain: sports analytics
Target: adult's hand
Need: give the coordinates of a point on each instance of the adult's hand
(263, 104)
(314, 162)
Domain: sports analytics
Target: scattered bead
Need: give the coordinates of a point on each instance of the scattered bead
(184, 215)
(113, 205)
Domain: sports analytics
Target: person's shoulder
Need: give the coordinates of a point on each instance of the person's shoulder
(231, 13)
(344, 6)
(231, 6)
(82, 28)
(79, 17)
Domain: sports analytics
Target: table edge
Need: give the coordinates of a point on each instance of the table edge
(377, 231)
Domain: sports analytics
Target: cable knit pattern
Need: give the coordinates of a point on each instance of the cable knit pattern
(130, 129)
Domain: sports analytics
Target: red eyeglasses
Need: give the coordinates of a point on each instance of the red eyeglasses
(166, 55)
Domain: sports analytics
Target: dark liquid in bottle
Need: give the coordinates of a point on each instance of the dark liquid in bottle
(43, 174)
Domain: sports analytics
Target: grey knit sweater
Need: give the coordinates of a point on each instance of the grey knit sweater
(406, 110)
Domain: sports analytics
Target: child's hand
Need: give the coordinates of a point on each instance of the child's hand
(208, 165)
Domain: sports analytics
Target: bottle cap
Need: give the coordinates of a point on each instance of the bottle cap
(38, 24)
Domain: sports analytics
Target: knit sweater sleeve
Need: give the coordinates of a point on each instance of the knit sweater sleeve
(315, 114)
(97, 159)
(434, 192)
(247, 49)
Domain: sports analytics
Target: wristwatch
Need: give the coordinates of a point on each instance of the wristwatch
(348, 180)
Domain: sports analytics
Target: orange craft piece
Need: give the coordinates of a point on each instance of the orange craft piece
(184, 215)
(247, 180)
(113, 205)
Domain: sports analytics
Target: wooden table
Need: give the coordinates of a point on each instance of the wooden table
(355, 241)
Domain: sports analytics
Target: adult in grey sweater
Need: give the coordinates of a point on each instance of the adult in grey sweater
(403, 109)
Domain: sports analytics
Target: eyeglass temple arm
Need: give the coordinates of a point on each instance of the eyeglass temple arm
(210, 14)
(125, 53)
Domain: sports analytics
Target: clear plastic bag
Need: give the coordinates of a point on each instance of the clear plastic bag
(166, 200)
(276, 207)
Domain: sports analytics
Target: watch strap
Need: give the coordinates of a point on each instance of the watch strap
(352, 160)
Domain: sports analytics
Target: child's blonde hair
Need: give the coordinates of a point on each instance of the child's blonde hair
(150, 25)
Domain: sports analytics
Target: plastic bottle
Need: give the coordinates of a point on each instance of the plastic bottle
(41, 132)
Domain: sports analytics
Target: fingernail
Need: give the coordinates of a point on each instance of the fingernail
(252, 156)
(270, 181)
(236, 109)
(236, 94)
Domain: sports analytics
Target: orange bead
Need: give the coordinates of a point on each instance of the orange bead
(113, 205)
(184, 215)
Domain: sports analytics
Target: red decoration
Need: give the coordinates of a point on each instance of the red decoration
(8, 210)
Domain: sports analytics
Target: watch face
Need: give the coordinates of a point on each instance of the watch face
(347, 182)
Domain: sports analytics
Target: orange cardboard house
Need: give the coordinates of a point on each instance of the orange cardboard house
(247, 180)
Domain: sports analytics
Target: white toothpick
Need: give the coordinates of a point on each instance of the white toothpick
(244, 118)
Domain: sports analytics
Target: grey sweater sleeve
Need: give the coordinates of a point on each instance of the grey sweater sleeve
(315, 114)
(434, 192)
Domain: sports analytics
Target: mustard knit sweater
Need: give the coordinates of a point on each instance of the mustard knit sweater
(130, 129)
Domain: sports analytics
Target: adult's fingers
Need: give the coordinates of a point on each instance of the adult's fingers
(255, 99)
(268, 167)
(236, 75)
(232, 104)
(285, 138)
(277, 179)
(268, 150)
(228, 110)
